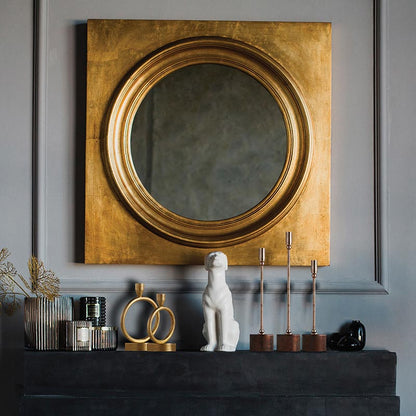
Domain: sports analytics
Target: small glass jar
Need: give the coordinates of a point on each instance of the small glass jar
(104, 338)
(93, 309)
(78, 336)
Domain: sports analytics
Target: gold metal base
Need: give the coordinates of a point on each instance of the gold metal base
(261, 342)
(150, 347)
(288, 342)
(313, 342)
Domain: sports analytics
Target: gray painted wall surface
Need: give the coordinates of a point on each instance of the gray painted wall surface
(389, 318)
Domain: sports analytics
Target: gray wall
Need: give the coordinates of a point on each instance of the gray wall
(389, 318)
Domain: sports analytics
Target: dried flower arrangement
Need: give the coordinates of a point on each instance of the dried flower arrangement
(42, 283)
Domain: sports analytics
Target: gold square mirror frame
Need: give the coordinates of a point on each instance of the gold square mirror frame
(127, 59)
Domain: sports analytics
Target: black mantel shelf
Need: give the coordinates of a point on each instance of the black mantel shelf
(198, 384)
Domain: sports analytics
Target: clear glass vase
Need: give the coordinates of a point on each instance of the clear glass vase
(45, 322)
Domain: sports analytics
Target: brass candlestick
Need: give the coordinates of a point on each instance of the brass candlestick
(314, 342)
(288, 247)
(288, 342)
(142, 344)
(262, 256)
(261, 341)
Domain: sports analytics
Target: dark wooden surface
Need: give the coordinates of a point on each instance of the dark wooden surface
(196, 383)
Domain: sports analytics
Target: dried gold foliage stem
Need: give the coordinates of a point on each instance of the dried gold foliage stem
(19, 286)
(42, 283)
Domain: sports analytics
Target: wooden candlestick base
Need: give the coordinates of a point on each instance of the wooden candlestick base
(288, 342)
(261, 342)
(313, 342)
(150, 347)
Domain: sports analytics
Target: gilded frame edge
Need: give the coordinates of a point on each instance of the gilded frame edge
(242, 253)
(290, 184)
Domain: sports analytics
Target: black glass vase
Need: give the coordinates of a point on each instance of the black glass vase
(351, 338)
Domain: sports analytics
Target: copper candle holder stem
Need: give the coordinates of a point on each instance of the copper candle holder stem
(314, 342)
(288, 342)
(261, 342)
(288, 247)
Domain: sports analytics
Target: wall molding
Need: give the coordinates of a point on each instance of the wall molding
(381, 141)
(377, 284)
(39, 123)
(76, 285)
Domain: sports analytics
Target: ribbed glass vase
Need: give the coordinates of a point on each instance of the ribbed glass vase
(45, 322)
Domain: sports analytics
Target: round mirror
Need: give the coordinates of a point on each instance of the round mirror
(247, 161)
(208, 142)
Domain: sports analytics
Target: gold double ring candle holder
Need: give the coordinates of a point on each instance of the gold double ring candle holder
(142, 344)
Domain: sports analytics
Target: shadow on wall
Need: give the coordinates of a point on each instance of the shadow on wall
(80, 60)
(190, 320)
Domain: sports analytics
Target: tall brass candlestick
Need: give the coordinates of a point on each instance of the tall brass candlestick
(288, 342)
(314, 342)
(262, 255)
(261, 342)
(314, 271)
(288, 247)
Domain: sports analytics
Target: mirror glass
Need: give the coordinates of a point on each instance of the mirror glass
(208, 142)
